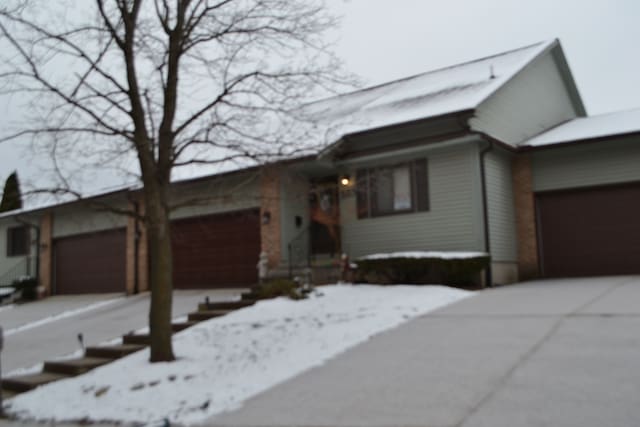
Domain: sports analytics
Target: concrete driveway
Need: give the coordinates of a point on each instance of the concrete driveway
(47, 329)
(544, 353)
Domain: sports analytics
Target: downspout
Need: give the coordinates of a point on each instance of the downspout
(37, 253)
(485, 209)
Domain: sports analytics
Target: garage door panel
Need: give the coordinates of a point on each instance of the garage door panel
(590, 232)
(90, 263)
(216, 250)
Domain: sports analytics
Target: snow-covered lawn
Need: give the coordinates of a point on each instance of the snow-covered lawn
(224, 361)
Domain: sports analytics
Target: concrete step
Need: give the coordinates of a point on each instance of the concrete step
(225, 305)
(249, 296)
(75, 367)
(207, 314)
(23, 383)
(113, 351)
(181, 326)
(140, 339)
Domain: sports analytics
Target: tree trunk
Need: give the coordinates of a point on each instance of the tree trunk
(161, 277)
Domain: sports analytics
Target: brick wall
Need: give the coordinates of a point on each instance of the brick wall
(525, 217)
(270, 204)
(46, 253)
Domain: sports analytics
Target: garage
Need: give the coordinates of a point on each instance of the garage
(216, 251)
(90, 263)
(589, 232)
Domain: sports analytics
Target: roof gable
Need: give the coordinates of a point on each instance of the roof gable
(432, 94)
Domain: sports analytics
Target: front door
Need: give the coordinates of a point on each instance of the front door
(325, 217)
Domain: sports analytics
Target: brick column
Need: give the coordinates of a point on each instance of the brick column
(525, 217)
(270, 206)
(142, 252)
(46, 253)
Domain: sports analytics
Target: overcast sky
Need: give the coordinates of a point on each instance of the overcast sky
(383, 40)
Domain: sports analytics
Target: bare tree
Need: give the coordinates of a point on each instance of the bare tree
(159, 85)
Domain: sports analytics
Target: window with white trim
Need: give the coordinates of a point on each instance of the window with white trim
(393, 189)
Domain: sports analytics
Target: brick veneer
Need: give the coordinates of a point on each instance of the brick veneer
(270, 203)
(46, 253)
(525, 217)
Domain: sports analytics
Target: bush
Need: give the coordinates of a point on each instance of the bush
(278, 288)
(460, 272)
(28, 286)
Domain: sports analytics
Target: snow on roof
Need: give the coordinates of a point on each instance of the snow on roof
(609, 124)
(434, 93)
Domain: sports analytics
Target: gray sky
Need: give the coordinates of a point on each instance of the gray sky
(383, 40)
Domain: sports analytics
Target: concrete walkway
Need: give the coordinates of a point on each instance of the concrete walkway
(58, 337)
(547, 353)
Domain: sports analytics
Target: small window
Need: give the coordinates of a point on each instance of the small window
(388, 190)
(18, 241)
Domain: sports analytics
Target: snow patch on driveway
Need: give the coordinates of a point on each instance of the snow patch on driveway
(224, 361)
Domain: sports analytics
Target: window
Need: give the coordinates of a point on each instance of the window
(400, 188)
(17, 241)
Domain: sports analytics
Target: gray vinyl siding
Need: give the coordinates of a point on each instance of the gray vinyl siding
(587, 164)
(531, 102)
(80, 218)
(452, 223)
(294, 202)
(217, 195)
(501, 208)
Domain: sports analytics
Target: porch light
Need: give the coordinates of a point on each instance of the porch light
(345, 181)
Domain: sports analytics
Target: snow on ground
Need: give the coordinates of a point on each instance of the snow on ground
(430, 254)
(224, 361)
(6, 291)
(63, 315)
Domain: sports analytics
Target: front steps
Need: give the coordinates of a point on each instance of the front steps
(75, 367)
(96, 356)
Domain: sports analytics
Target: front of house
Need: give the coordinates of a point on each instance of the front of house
(495, 155)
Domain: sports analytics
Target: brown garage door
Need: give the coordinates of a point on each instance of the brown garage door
(590, 232)
(216, 251)
(90, 263)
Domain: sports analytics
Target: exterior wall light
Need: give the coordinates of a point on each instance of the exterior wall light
(345, 181)
(266, 217)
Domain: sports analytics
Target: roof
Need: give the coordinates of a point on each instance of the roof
(435, 93)
(584, 128)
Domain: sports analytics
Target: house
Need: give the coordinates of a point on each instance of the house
(494, 155)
